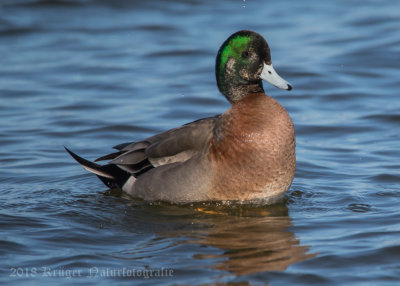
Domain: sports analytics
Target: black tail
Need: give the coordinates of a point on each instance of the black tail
(110, 175)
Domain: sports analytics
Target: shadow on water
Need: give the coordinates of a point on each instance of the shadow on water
(248, 239)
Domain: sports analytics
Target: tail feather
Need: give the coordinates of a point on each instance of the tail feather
(109, 156)
(110, 174)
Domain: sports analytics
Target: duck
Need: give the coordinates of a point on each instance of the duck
(244, 155)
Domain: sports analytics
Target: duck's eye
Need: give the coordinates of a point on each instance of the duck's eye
(245, 54)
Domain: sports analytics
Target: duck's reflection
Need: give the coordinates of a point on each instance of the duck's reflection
(257, 240)
(256, 243)
(250, 239)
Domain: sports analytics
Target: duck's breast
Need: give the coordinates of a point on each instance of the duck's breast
(253, 150)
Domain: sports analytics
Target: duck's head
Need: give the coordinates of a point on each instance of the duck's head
(243, 60)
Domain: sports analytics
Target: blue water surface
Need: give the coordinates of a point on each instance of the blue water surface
(90, 74)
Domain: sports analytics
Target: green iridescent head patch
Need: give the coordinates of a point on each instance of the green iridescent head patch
(233, 47)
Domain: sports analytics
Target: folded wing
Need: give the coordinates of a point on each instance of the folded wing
(175, 145)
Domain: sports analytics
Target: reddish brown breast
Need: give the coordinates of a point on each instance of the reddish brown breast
(253, 150)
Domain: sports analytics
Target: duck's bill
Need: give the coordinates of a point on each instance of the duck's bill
(270, 75)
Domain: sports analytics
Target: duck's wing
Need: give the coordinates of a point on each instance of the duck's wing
(175, 145)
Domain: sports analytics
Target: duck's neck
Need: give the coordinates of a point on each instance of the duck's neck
(236, 92)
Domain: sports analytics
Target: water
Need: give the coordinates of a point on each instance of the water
(92, 74)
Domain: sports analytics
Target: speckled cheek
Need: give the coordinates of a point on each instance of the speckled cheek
(230, 66)
(252, 71)
(244, 73)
